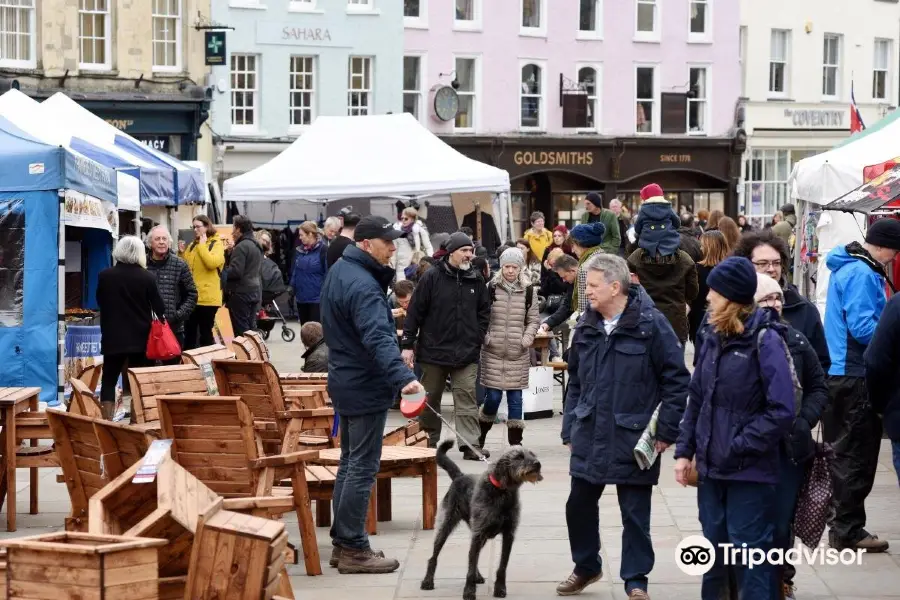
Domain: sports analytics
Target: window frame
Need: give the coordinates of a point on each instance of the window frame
(542, 97)
(355, 7)
(313, 103)
(304, 6)
(369, 91)
(597, 32)
(837, 67)
(598, 98)
(178, 67)
(421, 92)
(541, 29)
(420, 22)
(106, 65)
(653, 36)
(31, 63)
(706, 37)
(475, 94)
(888, 92)
(255, 91)
(707, 99)
(469, 25)
(656, 109)
(788, 44)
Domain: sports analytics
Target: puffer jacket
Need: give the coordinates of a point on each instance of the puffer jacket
(308, 272)
(315, 359)
(206, 262)
(176, 287)
(505, 356)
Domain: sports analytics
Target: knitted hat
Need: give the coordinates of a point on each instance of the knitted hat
(651, 191)
(595, 199)
(589, 235)
(766, 286)
(735, 279)
(458, 240)
(512, 256)
(884, 233)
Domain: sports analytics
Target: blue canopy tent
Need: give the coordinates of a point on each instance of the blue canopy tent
(33, 180)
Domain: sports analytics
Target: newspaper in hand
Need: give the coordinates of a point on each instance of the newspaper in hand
(645, 451)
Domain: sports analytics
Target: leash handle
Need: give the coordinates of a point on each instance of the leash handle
(481, 456)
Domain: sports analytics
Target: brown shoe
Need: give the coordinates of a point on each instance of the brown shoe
(575, 584)
(365, 561)
(336, 556)
(638, 594)
(871, 543)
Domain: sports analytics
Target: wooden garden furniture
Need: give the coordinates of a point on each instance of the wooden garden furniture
(14, 403)
(244, 349)
(257, 340)
(147, 383)
(83, 400)
(90, 376)
(215, 440)
(206, 354)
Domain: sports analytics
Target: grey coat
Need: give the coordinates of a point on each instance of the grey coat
(315, 359)
(505, 357)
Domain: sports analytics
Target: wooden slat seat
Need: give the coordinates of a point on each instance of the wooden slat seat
(147, 383)
(244, 349)
(256, 339)
(206, 354)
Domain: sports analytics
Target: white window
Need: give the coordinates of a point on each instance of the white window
(698, 101)
(467, 14)
(881, 73)
(244, 92)
(17, 33)
(534, 17)
(645, 99)
(412, 85)
(166, 35)
(360, 5)
(415, 13)
(303, 90)
(589, 81)
(302, 6)
(831, 66)
(590, 19)
(700, 22)
(779, 62)
(467, 77)
(646, 20)
(359, 86)
(766, 175)
(531, 100)
(94, 33)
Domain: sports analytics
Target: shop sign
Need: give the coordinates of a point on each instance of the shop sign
(87, 211)
(157, 142)
(120, 124)
(833, 119)
(563, 158)
(285, 34)
(675, 158)
(214, 42)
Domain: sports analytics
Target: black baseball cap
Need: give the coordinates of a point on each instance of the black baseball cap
(371, 228)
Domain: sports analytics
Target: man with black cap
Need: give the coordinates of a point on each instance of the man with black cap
(855, 301)
(593, 213)
(365, 374)
(444, 327)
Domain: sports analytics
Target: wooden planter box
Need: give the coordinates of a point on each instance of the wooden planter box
(82, 565)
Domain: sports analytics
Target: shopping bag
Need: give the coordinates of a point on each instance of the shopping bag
(537, 400)
(814, 501)
(162, 344)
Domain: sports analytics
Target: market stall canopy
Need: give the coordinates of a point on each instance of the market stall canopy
(825, 177)
(26, 114)
(355, 157)
(174, 182)
(882, 194)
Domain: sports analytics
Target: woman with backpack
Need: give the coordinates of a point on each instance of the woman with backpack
(308, 272)
(505, 353)
(205, 257)
(740, 410)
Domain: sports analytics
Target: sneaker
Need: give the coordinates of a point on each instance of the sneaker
(469, 455)
(365, 561)
(336, 556)
(787, 591)
(576, 583)
(638, 594)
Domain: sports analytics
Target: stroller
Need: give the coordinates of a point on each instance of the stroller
(273, 287)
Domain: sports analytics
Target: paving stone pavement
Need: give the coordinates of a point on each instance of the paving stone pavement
(540, 556)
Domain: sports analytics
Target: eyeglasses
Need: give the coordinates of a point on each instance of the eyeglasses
(771, 299)
(765, 264)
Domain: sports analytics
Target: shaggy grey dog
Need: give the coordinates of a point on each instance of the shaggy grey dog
(489, 504)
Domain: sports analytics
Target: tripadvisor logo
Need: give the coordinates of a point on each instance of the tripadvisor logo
(695, 555)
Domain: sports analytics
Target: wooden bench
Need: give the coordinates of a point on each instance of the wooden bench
(206, 354)
(244, 349)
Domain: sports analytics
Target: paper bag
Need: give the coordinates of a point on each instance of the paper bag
(645, 451)
(537, 400)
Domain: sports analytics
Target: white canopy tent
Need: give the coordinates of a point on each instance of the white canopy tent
(380, 156)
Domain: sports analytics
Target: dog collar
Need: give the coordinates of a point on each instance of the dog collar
(494, 481)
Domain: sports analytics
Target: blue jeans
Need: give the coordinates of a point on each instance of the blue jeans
(583, 522)
(895, 451)
(360, 460)
(738, 512)
(492, 400)
(792, 478)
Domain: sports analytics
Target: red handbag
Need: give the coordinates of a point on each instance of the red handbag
(162, 343)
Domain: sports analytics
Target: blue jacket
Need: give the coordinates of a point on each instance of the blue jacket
(853, 306)
(616, 382)
(308, 272)
(656, 227)
(883, 368)
(741, 404)
(365, 369)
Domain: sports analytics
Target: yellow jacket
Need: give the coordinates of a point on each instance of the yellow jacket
(539, 242)
(206, 262)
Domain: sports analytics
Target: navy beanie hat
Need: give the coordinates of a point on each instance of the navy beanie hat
(594, 198)
(589, 235)
(734, 278)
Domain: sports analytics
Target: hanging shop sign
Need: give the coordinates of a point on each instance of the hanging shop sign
(87, 211)
(214, 43)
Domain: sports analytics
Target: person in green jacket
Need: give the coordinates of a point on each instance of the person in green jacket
(594, 213)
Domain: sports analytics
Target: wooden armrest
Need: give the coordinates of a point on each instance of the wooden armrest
(265, 425)
(284, 459)
(148, 427)
(306, 413)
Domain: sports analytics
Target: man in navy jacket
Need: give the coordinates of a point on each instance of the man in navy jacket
(883, 373)
(365, 374)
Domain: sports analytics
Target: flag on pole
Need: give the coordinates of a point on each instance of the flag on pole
(856, 121)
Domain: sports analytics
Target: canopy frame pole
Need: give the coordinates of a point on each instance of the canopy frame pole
(61, 300)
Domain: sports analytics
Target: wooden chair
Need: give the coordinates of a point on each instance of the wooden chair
(206, 354)
(83, 400)
(149, 382)
(214, 439)
(90, 376)
(244, 349)
(256, 339)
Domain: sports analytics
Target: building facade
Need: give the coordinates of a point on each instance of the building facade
(138, 64)
(603, 95)
(800, 63)
(289, 61)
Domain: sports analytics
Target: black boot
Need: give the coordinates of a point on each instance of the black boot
(485, 428)
(514, 431)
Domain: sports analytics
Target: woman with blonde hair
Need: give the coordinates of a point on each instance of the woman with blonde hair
(308, 271)
(413, 246)
(205, 257)
(715, 250)
(740, 409)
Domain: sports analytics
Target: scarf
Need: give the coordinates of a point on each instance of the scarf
(584, 258)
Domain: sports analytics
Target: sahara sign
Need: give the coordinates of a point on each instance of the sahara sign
(284, 34)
